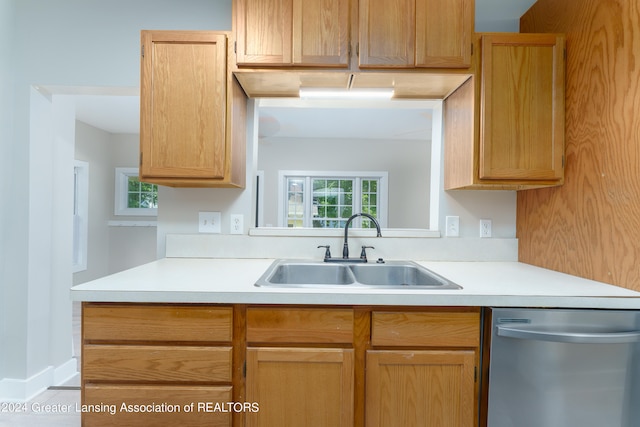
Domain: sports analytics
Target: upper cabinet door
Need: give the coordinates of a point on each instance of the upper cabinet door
(415, 33)
(183, 104)
(292, 33)
(522, 107)
(443, 33)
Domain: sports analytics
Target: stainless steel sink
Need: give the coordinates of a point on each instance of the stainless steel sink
(317, 274)
(309, 274)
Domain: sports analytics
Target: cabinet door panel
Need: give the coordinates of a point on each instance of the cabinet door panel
(320, 32)
(522, 119)
(264, 32)
(300, 386)
(443, 33)
(183, 105)
(387, 33)
(407, 388)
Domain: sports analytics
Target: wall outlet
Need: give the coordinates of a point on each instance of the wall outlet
(485, 228)
(236, 224)
(452, 226)
(209, 222)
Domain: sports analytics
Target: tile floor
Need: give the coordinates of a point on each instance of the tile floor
(46, 409)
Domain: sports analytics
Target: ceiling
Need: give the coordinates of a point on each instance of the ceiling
(121, 113)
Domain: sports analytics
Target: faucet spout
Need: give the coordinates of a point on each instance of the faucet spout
(345, 246)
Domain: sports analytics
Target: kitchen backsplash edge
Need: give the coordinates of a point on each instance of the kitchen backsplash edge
(424, 249)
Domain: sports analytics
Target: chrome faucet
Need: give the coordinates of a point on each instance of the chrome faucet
(345, 247)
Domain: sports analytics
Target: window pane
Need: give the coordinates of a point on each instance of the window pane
(141, 194)
(333, 198)
(295, 202)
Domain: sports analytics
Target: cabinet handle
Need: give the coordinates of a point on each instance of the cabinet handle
(571, 337)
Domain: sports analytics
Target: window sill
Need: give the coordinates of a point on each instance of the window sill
(337, 232)
(132, 223)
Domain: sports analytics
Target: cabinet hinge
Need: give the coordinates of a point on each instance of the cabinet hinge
(475, 374)
(358, 49)
(563, 161)
(235, 47)
(471, 48)
(142, 51)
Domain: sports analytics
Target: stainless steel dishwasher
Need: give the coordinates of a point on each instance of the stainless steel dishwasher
(564, 368)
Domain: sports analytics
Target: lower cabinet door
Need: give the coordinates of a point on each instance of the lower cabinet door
(429, 388)
(300, 387)
(155, 405)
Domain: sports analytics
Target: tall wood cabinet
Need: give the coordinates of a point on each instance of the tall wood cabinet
(506, 128)
(192, 112)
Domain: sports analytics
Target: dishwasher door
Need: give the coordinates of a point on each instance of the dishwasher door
(564, 368)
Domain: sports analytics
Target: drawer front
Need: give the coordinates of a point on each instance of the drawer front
(156, 322)
(143, 363)
(439, 328)
(299, 325)
(121, 405)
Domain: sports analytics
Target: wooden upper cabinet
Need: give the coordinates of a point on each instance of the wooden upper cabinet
(505, 128)
(308, 33)
(415, 33)
(186, 112)
(522, 113)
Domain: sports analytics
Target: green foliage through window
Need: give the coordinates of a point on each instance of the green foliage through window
(141, 194)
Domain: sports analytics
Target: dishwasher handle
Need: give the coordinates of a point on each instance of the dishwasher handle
(570, 337)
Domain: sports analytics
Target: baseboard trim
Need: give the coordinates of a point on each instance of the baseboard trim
(23, 390)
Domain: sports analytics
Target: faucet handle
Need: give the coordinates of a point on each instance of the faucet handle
(327, 252)
(363, 254)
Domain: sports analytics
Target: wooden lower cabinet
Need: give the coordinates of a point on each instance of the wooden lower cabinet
(156, 365)
(282, 366)
(155, 405)
(428, 388)
(300, 386)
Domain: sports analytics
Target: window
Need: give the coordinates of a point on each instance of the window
(80, 214)
(328, 199)
(134, 197)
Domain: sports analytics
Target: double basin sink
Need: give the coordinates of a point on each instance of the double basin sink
(318, 274)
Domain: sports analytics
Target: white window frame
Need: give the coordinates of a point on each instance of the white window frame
(383, 197)
(121, 191)
(80, 215)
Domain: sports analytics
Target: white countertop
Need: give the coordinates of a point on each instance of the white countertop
(206, 280)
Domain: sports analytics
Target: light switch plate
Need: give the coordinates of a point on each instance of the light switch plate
(452, 226)
(209, 222)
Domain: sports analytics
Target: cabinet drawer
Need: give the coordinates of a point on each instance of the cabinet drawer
(299, 325)
(156, 363)
(438, 328)
(123, 322)
(104, 405)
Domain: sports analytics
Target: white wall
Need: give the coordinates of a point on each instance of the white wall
(57, 44)
(110, 248)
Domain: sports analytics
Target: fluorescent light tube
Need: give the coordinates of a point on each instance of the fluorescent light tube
(324, 93)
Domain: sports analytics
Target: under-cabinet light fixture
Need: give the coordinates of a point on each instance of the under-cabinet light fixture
(324, 93)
